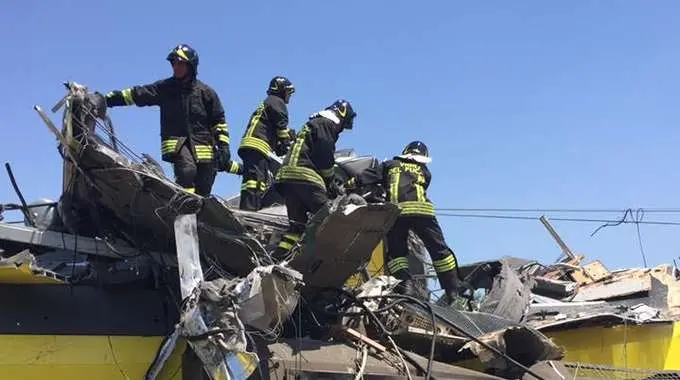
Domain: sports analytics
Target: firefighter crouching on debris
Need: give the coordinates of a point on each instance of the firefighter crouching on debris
(194, 134)
(267, 133)
(405, 179)
(306, 178)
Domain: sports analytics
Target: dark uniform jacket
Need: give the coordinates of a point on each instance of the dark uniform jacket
(405, 182)
(312, 156)
(190, 112)
(267, 125)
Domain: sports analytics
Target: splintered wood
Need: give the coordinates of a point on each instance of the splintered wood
(590, 273)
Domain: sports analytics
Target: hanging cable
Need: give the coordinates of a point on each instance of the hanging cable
(560, 210)
(462, 331)
(426, 306)
(584, 220)
(639, 215)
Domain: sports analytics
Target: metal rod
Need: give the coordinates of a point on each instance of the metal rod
(12, 206)
(557, 237)
(112, 133)
(24, 207)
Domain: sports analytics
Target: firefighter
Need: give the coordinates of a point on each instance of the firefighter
(267, 133)
(306, 178)
(405, 179)
(194, 134)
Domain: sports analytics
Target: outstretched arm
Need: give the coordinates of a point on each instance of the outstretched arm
(370, 176)
(141, 96)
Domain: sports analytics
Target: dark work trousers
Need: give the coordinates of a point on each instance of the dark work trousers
(192, 176)
(301, 198)
(254, 182)
(428, 230)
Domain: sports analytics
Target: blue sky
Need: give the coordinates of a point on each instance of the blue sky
(524, 104)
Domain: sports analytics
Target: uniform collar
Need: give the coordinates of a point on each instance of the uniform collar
(184, 84)
(416, 157)
(330, 115)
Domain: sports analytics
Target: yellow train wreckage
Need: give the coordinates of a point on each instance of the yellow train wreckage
(126, 276)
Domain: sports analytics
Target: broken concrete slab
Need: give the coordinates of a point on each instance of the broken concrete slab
(340, 240)
(618, 286)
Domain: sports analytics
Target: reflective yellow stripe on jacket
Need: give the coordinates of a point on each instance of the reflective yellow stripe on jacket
(254, 185)
(256, 144)
(416, 208)
(203, 152)
(283, 133)
(446, 264)
(252, 142)
(127, 96)
(222, 133)
(290, 171)
(397, 264)
(168, 146)
(299, 173)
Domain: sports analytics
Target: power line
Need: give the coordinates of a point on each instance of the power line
(639, 215)
(560, 210)
(584, 220)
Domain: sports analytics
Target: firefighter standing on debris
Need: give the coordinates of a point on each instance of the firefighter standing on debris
(306, 178)
(267, 134)
(405, 179)
(194, 134)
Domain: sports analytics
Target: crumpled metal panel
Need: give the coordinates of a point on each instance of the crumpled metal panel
(116, 192)
(266, 297)
(522, 343)
(593, 319)
(222, 352)
(324, 360)
(22, 268)
(192, 321)
(473, 323)
(136, 202)
(509, 296)
(275, 217)
(340, 241)
(226, 240)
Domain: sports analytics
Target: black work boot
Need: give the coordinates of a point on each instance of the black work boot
(280, 254)
(451, 284)
(406, 286)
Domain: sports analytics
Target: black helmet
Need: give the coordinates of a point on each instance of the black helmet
(281, 87)
(344, 111)
(184, 53)
(416, 147)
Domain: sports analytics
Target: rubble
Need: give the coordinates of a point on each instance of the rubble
(517, 342)
(132, 254)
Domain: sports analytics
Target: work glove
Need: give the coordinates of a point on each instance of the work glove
(235, 168)
(375, 194)
(282, 147)
(351, 185)
(98, 105)
(334, 188)
(222, 157)
(284, 144)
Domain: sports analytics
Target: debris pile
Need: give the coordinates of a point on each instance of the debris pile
(592, 312)
(127, 252)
